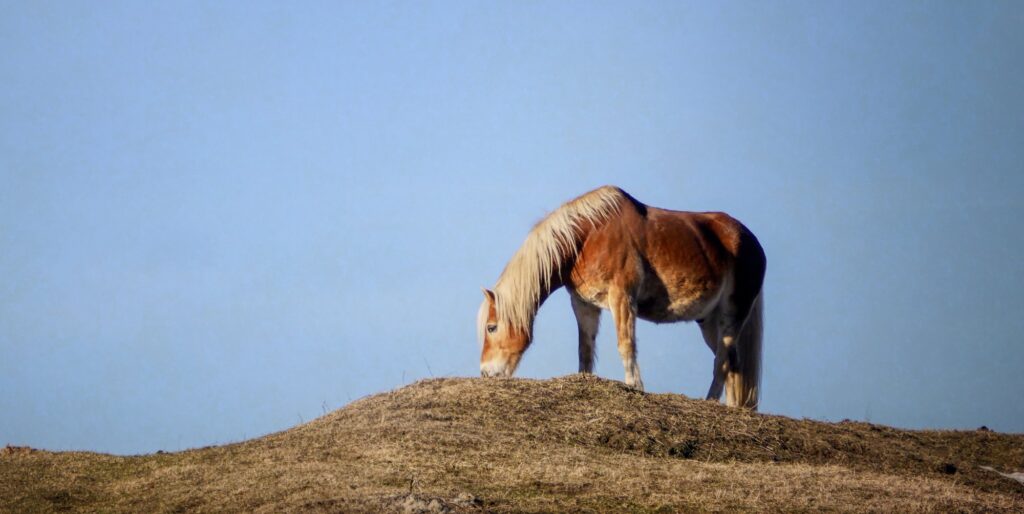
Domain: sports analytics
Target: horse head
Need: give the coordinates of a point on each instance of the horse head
(503, 344)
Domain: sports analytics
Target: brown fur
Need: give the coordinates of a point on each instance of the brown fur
(649, 263)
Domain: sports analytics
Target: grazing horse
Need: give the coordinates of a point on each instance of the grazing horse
(612, 252)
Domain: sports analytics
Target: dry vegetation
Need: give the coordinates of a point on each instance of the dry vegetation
(578, 443)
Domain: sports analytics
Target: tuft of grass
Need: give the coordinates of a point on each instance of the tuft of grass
(577, 443)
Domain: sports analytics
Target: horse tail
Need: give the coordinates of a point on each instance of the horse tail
(743, 386)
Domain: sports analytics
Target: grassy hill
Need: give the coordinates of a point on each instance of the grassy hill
(578, 443)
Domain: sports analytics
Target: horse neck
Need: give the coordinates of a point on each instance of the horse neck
(558, 277)
(555, 279)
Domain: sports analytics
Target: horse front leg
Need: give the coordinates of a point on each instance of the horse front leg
(624, 312)
(588, 318)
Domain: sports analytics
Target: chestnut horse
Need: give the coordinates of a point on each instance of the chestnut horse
(610, 251)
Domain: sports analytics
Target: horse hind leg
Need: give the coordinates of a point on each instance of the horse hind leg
(727, 365)
(588, 318)
(737, 356)
(743, 380)
(710, 329)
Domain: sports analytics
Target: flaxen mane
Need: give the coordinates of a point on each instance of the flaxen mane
(552, 241)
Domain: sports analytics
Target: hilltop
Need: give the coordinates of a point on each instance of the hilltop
(577, 443)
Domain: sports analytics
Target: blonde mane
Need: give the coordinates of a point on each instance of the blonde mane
(553, 241)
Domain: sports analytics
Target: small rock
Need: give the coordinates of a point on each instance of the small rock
(467, 500)
(414, 504)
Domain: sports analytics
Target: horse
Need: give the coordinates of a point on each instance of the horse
(610, 251)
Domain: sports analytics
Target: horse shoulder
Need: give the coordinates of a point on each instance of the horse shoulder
(609, 256)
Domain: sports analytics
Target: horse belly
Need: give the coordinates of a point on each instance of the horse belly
(658, 302)
(660, 305)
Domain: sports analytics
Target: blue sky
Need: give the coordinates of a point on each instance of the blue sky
(217, 221)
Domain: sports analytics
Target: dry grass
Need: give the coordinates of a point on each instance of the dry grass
(577, 443)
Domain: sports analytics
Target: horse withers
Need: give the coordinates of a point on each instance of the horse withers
(612, 252)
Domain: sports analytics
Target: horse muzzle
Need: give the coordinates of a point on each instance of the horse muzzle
(494, 369)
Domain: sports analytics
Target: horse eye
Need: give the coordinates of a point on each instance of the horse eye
(492, 328)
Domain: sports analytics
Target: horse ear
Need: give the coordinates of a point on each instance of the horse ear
(489, 295)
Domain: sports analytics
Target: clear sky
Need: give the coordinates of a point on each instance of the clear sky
(217, 221)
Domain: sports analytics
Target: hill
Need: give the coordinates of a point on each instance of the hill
(577, 443)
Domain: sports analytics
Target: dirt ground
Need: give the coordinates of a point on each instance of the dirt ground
(577, 443)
